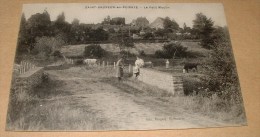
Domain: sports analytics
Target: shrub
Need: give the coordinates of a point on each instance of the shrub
(222, 75)
(79, 62)
(57, 54)
(45, 46)
(124, 54)
(45, 77)
(142, 53)
(159, 54)
(94, 51)
(191, 85)
(194, 54)
(171, 50)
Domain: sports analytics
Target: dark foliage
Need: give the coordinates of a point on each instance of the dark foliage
(79, 62)
(142, 53)
(170, 25)
(117, 21)
(57, 54)
(94, 51)
(203, 28)
(172, 50)
(222, 78)
(148, 35)
(125, 54)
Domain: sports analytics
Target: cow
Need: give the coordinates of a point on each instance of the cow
(191, 66)
(90, 62)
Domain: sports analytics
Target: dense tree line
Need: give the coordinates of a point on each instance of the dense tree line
(40, 26)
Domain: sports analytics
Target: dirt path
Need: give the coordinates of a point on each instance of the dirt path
(125, 111)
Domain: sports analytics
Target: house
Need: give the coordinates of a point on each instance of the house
(157, 23)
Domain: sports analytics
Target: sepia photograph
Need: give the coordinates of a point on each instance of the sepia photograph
(124, 66)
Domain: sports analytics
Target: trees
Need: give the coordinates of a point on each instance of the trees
(75, 31)
(38, 25)
(46, 46)
(171, 50)
(61, 27)
(125, 43)
(159, 33)
(117, 21)
(203, 28)
(186, 29)
(94, 51)
(141, 22)
(98, 34)
(148, 35)
(60, 24)
(23, 38)
(60, 18)
(170, 25)
(221, 71)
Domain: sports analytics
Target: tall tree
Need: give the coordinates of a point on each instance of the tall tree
(75, 22)
(203, 28)
(184, 26)
(61, 28)
(141, 22)
(75, 30)
(38, 25)
(60, 19)
(61, 25)
(22, 45)
(170, 25)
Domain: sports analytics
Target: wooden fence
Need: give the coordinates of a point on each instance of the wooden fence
(24, 67)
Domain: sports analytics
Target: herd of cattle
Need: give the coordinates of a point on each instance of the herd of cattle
(186, 67)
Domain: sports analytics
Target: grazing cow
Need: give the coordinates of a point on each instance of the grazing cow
(90, 62)
(191, 66)
(148, 64)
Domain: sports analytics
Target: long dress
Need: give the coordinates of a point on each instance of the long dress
(119, 68)
(138, 64)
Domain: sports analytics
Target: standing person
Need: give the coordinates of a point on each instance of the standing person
(138, 64)
(119, 69)
(136, 71)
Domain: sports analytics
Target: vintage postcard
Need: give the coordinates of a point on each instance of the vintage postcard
(123, 66)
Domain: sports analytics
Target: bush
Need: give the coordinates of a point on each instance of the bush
(57, 54)
(94, 51)
(124, 54)
(171, 50)
(142, 53)
(191, 85)
(79, 62)
(159, 54)
(45, 46)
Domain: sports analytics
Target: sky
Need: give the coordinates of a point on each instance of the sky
(96, 12)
